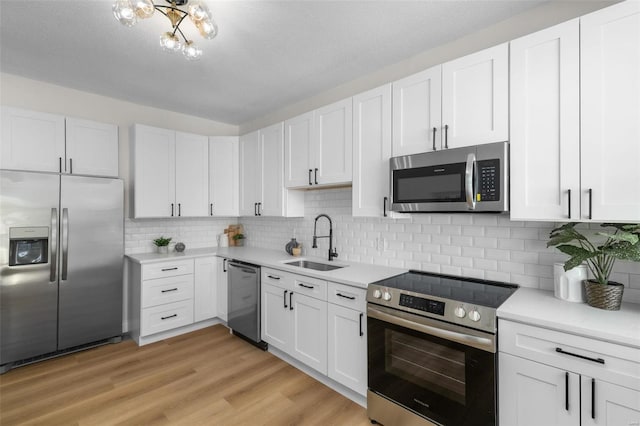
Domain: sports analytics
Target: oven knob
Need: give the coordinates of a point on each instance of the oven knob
(459, 312)
(377, 294)
(386, 296)
(474, 315)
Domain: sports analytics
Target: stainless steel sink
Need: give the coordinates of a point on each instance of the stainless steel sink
(313, 265)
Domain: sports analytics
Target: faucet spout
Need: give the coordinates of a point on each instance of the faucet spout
(332, 251)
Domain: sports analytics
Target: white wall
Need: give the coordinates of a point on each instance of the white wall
(527, 22)
(486, 246)
(40, 96)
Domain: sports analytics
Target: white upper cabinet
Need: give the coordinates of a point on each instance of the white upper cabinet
(250, 173)
(44, 142)
(262, 190)
(610, 108)
(223, 176)
(417, 109)
(92, 148)
(318, 147)
(170, 176)
(192, 175)
(475, 98)
(271, 201)
(371, 151)
(545, 124)
(332, 152)
(299, 135)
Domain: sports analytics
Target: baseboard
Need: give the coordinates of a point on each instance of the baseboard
(145, 340)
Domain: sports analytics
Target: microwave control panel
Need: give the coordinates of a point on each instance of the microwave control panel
(488, 180)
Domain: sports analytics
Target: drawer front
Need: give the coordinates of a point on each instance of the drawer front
(166, 290)
(166, 317)
(312, 287)
(347, 296)
(167, 269)
(284, 280)
(595, 358)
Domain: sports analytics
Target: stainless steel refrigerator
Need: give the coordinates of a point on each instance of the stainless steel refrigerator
(61, 260)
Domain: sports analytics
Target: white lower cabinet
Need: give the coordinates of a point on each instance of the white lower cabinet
(222, 286)
(171, 297)
(321, 324)
(551, 378)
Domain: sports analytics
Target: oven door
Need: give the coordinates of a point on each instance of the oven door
(440, 371)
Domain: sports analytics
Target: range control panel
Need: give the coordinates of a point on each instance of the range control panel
(488, 180)
(422, 304)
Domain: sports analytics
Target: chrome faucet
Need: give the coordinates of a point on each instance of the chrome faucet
(332, 252)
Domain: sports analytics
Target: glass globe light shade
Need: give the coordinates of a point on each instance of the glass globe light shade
(207, 28)
(170, 42)
(144, 8)
(191, 51)
(198, 11)
(124, 13)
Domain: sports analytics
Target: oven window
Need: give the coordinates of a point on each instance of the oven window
(444, 381)
(426, 364)
(429, 184)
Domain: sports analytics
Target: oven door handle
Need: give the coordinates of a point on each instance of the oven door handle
(434, 328)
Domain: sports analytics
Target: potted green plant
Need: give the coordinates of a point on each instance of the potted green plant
(162, 244)
(623, 243)
(238, 239)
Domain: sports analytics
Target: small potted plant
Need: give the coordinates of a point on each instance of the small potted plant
(238, 239)
(623, 243)
(162, 244)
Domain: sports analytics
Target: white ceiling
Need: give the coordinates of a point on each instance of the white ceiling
(268, 54)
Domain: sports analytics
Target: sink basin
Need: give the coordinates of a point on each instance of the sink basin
(313, 265)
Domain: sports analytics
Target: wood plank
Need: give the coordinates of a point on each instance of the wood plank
(205, 377)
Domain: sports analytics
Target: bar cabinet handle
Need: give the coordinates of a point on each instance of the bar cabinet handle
(170, 290)
(60, 164)
(284, 299)
(315, 176)
(590, 203)
(211, 209)
(310, 287)
(179, 209)
(566, 391)
(384, 206)
(446, 136)
(273, 277)
(346, 297)
(290, 301)
(569, 213)
(593, 398)
(310, 171)
(169, 269)
(170, 316)
(171, 209)
(598, 360)
(361, 332)
(434, 138)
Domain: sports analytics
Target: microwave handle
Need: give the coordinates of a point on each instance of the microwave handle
(470, 180)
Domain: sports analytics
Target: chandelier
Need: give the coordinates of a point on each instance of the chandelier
(128, 12)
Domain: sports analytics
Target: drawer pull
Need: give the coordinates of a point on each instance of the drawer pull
(598, 360)
(310, 287)
(273, 277)
(361, 315)
(566, 391)
(284, 298)
(170, 316)
(593, 398)
(169, 269)
(346, 297)
(171, 289)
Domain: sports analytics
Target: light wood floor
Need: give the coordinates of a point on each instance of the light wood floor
(207, 377)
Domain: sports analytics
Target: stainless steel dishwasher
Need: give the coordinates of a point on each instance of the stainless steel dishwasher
(244, 302)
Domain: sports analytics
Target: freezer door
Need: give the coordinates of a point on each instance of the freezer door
(91, 260)
(29, 289)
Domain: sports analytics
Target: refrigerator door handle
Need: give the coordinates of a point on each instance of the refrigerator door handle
(65, 243)
(54, 244)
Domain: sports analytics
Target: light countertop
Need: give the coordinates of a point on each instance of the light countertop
(541, 308)
(353, 273)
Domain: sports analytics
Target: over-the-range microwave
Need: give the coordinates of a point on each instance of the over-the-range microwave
(468, 179)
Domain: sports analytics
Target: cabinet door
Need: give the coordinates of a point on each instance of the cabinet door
(610, 104)
(272, 171)
(475, 98)
(92, 148)
(347, 349)
(154, 172)
(222, 288)
(310, 331)
(545, 124)
(32, 141)
(205, 303)
(417, 111)
(276, 327)
(371, 150)
(331, 153)
(534, 394)
(223, 176)
(250, 173)
(608, 404)
(298, 135)
(192, 175)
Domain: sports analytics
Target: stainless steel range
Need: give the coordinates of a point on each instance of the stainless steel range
(432, 349)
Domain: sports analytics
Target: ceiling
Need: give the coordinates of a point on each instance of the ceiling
(268, 54)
